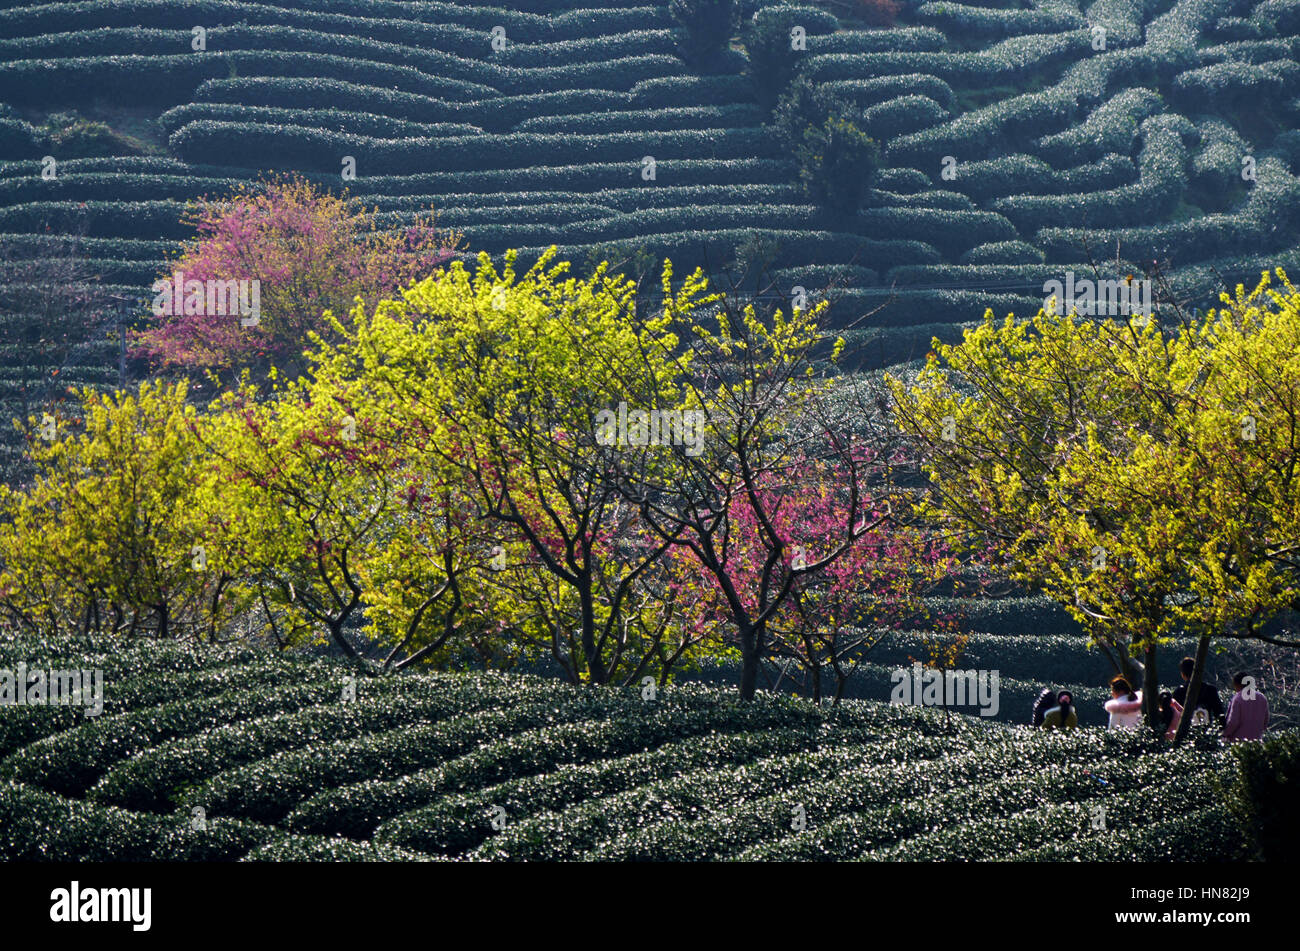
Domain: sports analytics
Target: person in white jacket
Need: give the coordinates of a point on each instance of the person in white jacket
(1125, 705)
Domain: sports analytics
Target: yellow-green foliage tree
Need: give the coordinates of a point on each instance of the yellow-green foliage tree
(331, 519)
(115, 533)
(1108, 462)
(495, 380)
(430, 565)
(1243, 429)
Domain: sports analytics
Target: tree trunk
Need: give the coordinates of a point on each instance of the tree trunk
(815, 669)
(336, 634)
(1151, 691)
(1132, 672)
(595, 666)
(748, 662)
(841, 678)
(1193, 689)
(1120, 660)
(1110, 656)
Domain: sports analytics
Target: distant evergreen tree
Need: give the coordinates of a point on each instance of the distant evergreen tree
(772, 55)
(705, 28)
(837, 160)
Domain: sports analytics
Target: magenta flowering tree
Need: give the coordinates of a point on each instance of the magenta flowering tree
(293, 252)
(824, 587)
(727, 498)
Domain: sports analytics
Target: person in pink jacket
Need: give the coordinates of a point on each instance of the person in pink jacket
(1125, 705)
(1172, 713)
(1247, 718)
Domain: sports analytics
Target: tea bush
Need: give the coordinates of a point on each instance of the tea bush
(460, 822)
(72, 761)
(491, 766)
(1260, 796)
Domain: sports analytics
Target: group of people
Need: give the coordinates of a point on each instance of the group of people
(1246, 717)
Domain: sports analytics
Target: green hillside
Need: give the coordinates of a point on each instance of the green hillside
(1009, 137)
(233, 754)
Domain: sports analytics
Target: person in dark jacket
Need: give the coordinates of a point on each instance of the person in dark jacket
(1207, 706)
(1046, 700)
(1063, 716)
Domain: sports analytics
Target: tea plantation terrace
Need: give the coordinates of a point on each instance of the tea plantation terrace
(234, 754)
(1007, 135)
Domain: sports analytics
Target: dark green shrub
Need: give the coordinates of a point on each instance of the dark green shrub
(922, 38)
(872, 92)
(110, 186)
(1233, 86)
(462, 28)
(986, 838)
(837, 160)
(21, 140)
(1261, 797)
(688, 249)
(103, 219)
(772, 53)
(594, 49)
(681, 91)
(44, 827)
(150, 779)
(39, 826)
(457, 823)
(605, 20)
(906, 181)
(816, 276)
(677, 716)
(360, 71)
(974, 782)
(837, 164)
(646, 120)
(137, 678)
(267, 790)
(938, 198)
(680, 196)
(951, 231)
(158, 80)
(294, 146)
(575, 831)
(979, 21)
(704, 30)
(220, 840)
(902, 116)
(72, 761)
(1026, 615)
(619, 74)
(804, 106)
(1204, 835)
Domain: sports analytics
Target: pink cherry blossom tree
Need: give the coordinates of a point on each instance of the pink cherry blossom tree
(307, 251)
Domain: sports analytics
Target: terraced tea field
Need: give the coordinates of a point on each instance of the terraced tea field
(233, 754)
(1018, 143)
